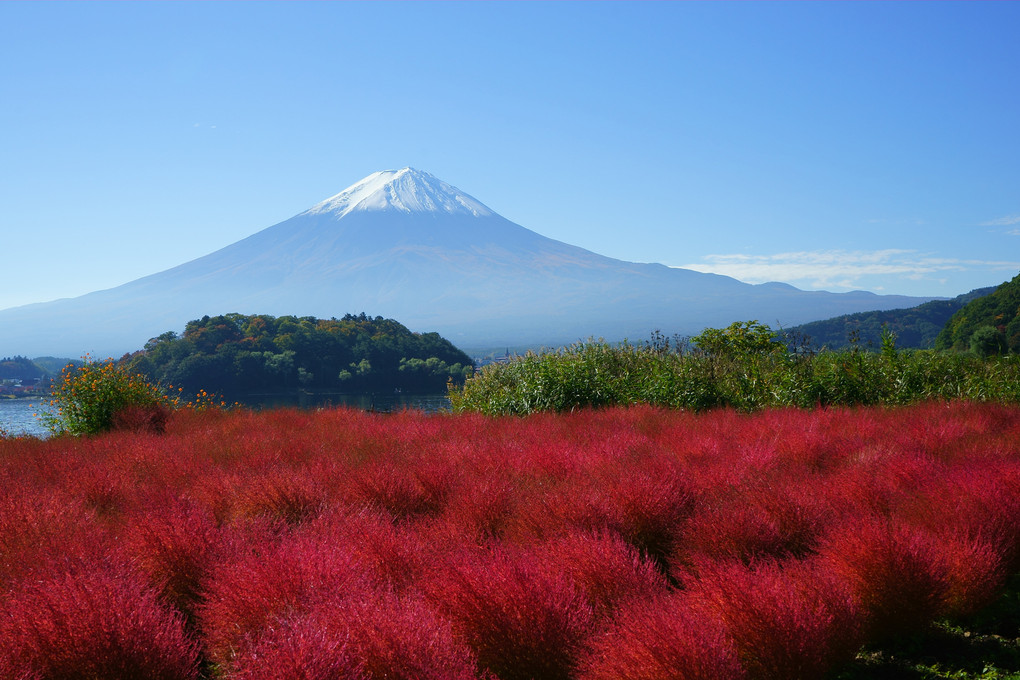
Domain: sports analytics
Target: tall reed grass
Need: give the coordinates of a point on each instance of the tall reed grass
(596, 374)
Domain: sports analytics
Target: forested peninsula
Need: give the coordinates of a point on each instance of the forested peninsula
(237, 354)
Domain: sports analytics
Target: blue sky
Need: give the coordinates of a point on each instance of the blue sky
(828, 145)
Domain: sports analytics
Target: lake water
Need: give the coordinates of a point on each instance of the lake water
(16, 414)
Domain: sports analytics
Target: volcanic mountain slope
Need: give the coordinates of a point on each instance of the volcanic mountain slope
(406, 245)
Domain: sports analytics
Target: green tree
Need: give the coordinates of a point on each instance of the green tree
(987, 341)
(740, 338)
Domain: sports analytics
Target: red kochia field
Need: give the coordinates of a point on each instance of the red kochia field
(632, 544)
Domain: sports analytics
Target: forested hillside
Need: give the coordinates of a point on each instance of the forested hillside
(915, 327)
(234, 354)
(21, 368)
(988, 325)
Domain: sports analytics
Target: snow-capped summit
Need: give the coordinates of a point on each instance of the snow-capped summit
(406, 190)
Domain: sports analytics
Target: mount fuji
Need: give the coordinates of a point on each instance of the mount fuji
(406, 245)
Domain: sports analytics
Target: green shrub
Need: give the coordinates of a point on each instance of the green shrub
(88, 398)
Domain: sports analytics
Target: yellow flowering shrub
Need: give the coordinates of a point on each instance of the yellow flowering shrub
(87, 399)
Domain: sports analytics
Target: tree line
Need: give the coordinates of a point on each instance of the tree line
(915, 327)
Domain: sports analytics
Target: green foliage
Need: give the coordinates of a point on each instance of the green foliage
(434, 368)
(87, 398)
(746, 366)
(987, 341)
(739, 340)
(234, 354)
(888, 344)
(1000, 311)
(915, 327)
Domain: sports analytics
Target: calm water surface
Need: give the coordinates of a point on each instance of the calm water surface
(16, 414)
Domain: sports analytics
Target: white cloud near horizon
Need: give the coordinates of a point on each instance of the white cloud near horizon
(839, 269)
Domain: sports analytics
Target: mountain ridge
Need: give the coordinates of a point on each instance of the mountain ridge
(405, 245)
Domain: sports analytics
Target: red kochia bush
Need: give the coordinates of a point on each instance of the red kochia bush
(893, 572)
(660, 638)
(785, 620)
(645, 507)
(983, 498)
(150, 418)
(98, 620)
(174, 544)
(371, 636)
(288, 495)
(41, 527)
(299, 650)
(738, 530)
(397, 490)
(394, 555)
(259, 585)
(522, 622)
(608, 570)
(483, 510)
(974, 572)
(751, 524)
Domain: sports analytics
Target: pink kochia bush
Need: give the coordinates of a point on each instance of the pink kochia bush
(636, 544)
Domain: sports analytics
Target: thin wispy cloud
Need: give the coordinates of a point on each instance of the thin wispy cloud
(841, 269)
(1007, 221)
